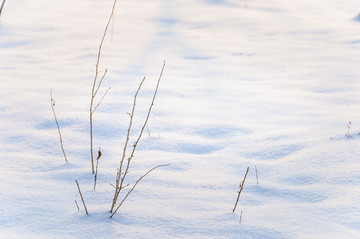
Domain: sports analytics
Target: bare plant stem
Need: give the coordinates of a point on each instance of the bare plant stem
(119, 179)
(77, 205)
(95, 88)
(97, 164)
(240, 189)
(133, 187)
(2, 6)
(257, 177)
(121, 175)
(52, 101)
(240, 217)
(81, 197)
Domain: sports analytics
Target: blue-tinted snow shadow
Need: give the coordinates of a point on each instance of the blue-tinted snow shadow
(59, 168)
(4, 31)
(216, 2)
(217, 225)
(218, 131)
(12, 44)
(325, 178)
(325, 90)
(109, 131)
(32, 144)
(199, 58)
(63, 123)
(351, 137)
(301, 180)
(295, 195)
(352, 42)
(357, 18)
(339, 180)
(274, 153)
(242, 54)
(212, 134)
(153, 143)
(166, 22)
(100, 129)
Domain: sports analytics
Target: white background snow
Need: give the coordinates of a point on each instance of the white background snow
(271, 83)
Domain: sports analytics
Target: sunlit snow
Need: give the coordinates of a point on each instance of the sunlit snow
(271, 83)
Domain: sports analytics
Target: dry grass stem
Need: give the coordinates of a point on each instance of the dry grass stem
(77, 205)
(240, 217)
(257, 177)
(121, 203)
(2, 6)
(96, 87)
(119, 179)
(52, 101)
(121, 175)
(81, 197)
(97, 164)
(240, 189)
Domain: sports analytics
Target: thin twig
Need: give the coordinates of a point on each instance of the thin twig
(82, 197)
(121, 203)
(2, 5)
(97, 164)
(240, 189)
(101, 80)
(240, 217)
(121, 187)
(52, 101)
(101, 99)
(94, 92)
(77, 205)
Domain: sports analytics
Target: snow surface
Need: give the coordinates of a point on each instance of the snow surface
(271, 83)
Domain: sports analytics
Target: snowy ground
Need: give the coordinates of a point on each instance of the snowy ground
(271, 83)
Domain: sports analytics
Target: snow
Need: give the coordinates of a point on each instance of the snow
(247, 82)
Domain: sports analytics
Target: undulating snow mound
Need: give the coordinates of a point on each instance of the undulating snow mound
(269, 84)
